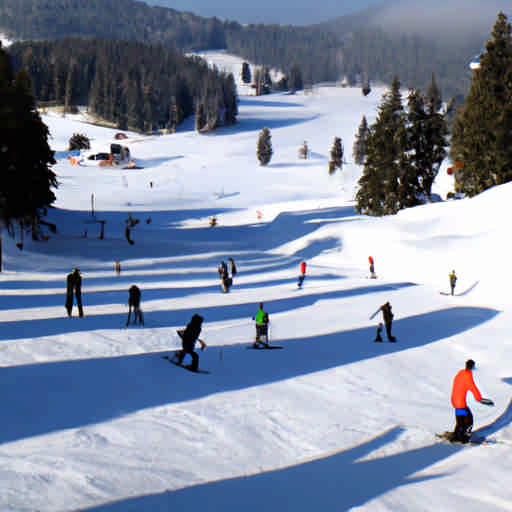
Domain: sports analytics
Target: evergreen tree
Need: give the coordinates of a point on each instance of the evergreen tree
(388, 182)
(79, 141)
(25, 155)
(359, 148)
(336, 161)
(436, 132)
(200, 117)
(267, 81)
(366, 89)
(295, 82)
(264, 146)
(482, 135)
(246, 73)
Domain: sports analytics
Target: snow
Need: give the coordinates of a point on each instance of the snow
(4, 40)
(95, 420)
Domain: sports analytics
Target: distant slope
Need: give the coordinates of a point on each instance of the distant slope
(454, 21)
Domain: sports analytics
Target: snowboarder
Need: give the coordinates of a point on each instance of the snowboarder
(262, 321)
(388, 319)
(372, 268)
(462, 383)
(225, 280)
(302, 274)
(134, 302)
(378, 337)
(74, 287)
(453, 280)
(189, 336)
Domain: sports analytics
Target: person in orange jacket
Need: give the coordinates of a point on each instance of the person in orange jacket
(462, 383)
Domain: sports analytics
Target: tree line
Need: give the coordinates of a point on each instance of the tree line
(133, 85)
(402, 151)
(321, 53)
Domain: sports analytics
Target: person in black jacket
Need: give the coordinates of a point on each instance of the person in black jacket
(189, 336)
(134, 303)
(388, 320)
(74, 287)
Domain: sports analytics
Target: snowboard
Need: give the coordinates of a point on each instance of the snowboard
(185, 367)
(449, 437)
(264, 346)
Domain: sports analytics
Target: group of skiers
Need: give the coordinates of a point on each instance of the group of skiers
(462, 383)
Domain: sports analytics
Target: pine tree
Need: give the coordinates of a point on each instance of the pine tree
(246, 73)
(481, 141)
(359, 148)
(25, 155)
(200, 117)
(79, 141)
(388, 182)
(336, 161)
(436, 132)
(264, 146)
(295, 82)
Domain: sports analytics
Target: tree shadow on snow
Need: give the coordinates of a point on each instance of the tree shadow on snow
(38, 328)
(48, 397)
(337, 482)
(120, 295)
(70, 249)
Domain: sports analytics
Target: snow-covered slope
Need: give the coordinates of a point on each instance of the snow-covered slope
(94, 419)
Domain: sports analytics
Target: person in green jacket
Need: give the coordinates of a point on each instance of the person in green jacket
(261, 320)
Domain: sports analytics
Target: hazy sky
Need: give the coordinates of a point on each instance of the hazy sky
(285, 12)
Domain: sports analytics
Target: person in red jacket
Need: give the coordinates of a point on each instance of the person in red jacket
(302, 275)
(462, 383)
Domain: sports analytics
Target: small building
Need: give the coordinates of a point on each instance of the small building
(119, 153)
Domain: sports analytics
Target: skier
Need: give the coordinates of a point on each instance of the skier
(225, 280)
(388, 320)
(262, 321)
(74, 287)
(302, 274)
(134, 302)
(462, 383)
(117, 267)
(372, 268)
(189, 336)
(453, 280)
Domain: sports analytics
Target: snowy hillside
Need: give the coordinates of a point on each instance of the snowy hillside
(95, 420)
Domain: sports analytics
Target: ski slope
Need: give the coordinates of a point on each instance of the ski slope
(95, 420)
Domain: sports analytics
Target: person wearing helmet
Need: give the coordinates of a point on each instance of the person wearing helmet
(262, 321)
(74, 287)
(462, 383)
(189, 336)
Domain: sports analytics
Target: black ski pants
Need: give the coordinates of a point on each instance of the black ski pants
(388, 331)
(69, 302)
(463, 426)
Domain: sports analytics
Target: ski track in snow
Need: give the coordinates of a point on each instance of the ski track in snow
(95, 420)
